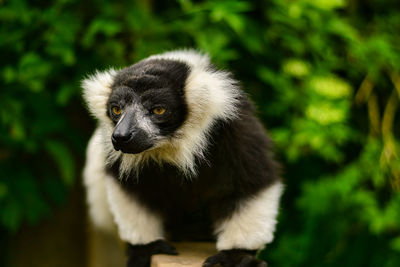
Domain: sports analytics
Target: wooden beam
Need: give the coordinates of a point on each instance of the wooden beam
(190, 254)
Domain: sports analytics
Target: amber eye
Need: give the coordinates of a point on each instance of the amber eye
(159, 111)
(116, 111)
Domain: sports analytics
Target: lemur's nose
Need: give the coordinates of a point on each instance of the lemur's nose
(121, 137)
(122, 134)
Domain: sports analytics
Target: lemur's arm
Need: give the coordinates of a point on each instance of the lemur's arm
(251, 226)
(141, 229)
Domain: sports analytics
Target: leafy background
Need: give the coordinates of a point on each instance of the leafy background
(325, 76)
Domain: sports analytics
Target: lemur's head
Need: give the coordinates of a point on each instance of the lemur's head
(161, 108)
(147, 104)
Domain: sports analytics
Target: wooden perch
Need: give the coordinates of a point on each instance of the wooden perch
(190, 254)
(106, 250)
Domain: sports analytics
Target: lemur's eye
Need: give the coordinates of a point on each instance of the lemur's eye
(159, 111)
(116, 111)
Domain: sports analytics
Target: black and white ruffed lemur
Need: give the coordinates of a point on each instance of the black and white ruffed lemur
(179, 155)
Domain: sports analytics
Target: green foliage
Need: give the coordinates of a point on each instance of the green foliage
(324, 75)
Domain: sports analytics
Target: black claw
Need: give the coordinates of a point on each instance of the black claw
(246, 261)
(250, 261)
(234, 258)
(162, 247)
(211, 261)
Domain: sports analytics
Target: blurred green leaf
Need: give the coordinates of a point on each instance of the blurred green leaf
(395, 244)
(65, 93)
(3, 190)
(296, 67)
(325, 113)
(64, 160)
(11, 215)
(101, 26)
(331, 87)
(328, 4)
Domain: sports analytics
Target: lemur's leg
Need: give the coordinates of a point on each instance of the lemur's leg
(247, 230)
(141, 229)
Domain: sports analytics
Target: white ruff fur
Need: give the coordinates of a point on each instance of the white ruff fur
(210, 95)
(253, 224)
(94, 179)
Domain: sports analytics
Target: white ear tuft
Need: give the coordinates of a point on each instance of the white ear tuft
(96, 90)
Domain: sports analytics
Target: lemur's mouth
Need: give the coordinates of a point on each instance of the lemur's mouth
(134, 151)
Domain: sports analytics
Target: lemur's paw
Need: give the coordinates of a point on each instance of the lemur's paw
(234, 258)
(140, 255)
(163, 247)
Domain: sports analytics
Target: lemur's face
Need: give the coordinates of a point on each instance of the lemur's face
(147, 104)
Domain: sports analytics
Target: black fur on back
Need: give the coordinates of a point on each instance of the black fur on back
(238, 165)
